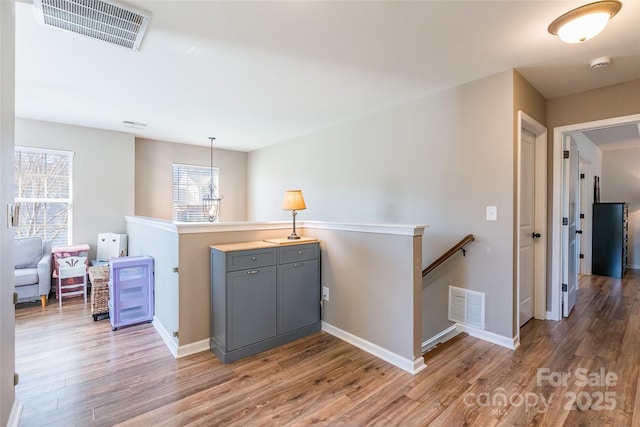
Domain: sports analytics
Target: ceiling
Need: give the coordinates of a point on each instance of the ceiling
(615, 137)
(255, 73)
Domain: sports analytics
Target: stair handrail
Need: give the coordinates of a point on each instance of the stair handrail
(459, 246)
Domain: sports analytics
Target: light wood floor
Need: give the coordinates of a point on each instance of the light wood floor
(77, 372)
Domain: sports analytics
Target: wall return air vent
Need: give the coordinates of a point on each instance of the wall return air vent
(108, 21)
(467, 307)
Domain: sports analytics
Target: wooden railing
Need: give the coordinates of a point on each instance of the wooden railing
(459, 246)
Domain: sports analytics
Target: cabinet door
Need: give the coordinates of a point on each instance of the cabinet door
(251, 306)
(298, 295)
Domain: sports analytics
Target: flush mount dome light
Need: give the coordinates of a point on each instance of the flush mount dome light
(584, 22)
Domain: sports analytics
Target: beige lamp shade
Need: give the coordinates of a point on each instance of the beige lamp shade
(293, 201)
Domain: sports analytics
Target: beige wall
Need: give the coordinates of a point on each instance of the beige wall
(439, 160)
(612, 101)
(620, 182)
(103, 174)
(153, 187)
(7, 113)
(528, 100)
(195, 279)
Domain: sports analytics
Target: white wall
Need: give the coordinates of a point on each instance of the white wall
(7, 310)
(620, 182)
(439, 160)
(103, 174)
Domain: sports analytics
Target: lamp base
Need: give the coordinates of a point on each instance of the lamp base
(293, 236)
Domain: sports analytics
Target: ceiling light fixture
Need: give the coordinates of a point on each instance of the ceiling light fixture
(211, 200)
(584, 22)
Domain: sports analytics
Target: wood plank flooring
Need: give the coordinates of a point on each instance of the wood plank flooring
(77, 372)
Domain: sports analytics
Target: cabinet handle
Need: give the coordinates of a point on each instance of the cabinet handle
(298, 265)
(253, 271)
(299, 252)
(253, 258)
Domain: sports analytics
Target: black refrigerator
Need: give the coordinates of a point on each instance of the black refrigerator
(610, 239)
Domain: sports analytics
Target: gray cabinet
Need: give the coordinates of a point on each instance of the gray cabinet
(610, 239)
(262, 295)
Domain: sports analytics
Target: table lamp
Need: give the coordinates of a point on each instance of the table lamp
(293, 201)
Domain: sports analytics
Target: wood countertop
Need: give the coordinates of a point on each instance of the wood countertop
(262, 244)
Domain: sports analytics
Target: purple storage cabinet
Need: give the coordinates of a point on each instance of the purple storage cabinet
(130, 290)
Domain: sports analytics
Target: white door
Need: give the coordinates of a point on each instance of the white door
(528, 234)
(571, 212)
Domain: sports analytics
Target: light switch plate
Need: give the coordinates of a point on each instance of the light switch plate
(492, 213)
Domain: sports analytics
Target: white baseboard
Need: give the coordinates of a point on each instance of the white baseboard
(550, 316)
(176, 350)
(411, 366)
(16, 413)
(510, 343)
(166, 337)
(443, 336)
(193, 348)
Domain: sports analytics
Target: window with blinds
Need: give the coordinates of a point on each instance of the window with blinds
(190, 184)
(42, 181)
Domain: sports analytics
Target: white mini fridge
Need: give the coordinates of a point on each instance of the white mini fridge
(111, 245)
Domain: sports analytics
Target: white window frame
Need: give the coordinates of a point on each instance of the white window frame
(196, 201)
(69, 200)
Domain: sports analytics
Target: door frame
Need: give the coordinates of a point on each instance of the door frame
(540, 213)
(569, 240)
(558, 193)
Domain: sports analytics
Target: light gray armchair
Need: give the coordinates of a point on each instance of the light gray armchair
(32, 268)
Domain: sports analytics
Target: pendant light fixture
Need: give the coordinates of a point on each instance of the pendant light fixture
(584, 22)
(211, 200)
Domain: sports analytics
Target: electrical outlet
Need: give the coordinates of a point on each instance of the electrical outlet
(325, 293)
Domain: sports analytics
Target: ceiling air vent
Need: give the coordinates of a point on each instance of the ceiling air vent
(103, 20)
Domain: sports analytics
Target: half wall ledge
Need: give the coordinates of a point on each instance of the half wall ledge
(369, 268)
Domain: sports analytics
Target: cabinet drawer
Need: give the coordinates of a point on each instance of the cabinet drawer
(243, 260)
(295, 253)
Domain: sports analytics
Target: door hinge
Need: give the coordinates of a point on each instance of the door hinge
(175, 334)
(581, 176)
(565, 220)
(15, 298)
(581, 256)
(564, 287)
(16, 378)
(581, 216)
(175, 269)
(565, 154)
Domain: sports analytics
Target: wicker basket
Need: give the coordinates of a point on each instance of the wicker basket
(99, 277)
